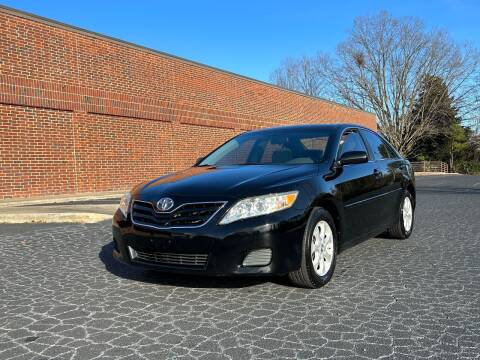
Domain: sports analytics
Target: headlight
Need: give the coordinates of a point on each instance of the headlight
(125, 203)
(259, 205)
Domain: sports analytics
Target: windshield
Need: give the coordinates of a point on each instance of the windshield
(292, 147)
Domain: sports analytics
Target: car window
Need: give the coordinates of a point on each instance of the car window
(233, 152)
(282, 147)
(350, 141)
(380, 149)
(315, 143)
(288, 150)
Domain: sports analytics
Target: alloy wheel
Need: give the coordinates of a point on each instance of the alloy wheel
(407, 211)
(321, 248)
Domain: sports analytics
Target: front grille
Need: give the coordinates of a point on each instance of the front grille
(186, 215)
(172, 259)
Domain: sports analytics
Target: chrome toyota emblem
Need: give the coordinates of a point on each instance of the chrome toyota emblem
(164, 204)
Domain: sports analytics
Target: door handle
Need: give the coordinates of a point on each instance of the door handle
(378, 174)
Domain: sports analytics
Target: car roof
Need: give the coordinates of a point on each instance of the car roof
(336, 126)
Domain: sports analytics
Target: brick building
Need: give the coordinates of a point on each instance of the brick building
(81, 112)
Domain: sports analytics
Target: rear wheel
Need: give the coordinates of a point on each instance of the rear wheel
(319, 251)
(402, 229)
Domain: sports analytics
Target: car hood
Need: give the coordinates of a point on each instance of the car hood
(229, 181)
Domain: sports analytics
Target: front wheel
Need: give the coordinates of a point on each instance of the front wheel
(403, 226)
(319, 251)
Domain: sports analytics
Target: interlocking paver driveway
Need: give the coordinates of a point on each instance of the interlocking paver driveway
(62, 296)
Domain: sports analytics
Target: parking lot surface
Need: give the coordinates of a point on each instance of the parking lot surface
(63, 296)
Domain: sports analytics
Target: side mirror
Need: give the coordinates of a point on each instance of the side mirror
(353, 157)
(199, 160)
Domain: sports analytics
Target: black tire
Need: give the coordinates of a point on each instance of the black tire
(397, 230)
(306, 276)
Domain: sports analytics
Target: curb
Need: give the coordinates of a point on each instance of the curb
(44, 218)
(59, 199)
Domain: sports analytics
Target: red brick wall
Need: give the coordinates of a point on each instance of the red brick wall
(83, 113)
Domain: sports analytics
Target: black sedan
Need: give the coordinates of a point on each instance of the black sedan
(273, 201)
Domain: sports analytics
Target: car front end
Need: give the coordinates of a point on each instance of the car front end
(214, 234)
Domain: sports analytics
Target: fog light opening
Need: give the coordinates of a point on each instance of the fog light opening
(132, 252)
(261, 257)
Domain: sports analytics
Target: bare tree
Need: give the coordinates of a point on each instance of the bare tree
(303, 75)
(383, 66)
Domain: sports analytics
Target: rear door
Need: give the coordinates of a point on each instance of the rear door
(389, 181)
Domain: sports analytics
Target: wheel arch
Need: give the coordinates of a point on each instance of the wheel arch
(411, 190)
(331, 205)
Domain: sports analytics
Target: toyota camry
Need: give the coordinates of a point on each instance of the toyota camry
(272, 201)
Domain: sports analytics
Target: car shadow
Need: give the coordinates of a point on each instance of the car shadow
(180, 280)
(345, 245)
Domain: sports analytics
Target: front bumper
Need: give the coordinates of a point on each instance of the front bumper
(225, 246)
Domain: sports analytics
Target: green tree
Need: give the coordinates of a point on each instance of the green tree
(457, 143)
(436, 105)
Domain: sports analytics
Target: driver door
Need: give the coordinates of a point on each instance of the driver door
(357, 185)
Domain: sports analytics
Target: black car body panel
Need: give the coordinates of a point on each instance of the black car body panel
(363, 198)
(234, 181)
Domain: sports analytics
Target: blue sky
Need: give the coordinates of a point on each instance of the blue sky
(247, 37)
